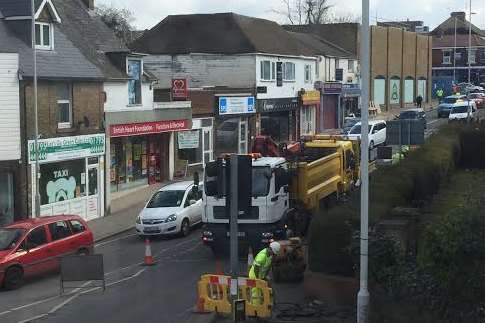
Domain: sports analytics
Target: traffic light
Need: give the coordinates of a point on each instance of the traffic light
(244, 183)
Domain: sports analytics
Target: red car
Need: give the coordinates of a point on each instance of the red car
(33, 247)
(479, 99)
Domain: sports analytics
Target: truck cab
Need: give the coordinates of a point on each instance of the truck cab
(269, 206)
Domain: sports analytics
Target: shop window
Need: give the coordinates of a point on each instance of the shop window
(43, 36)
(379, 90)
(64, 105)
(227, 136)
(268, 69)
(409, 90)
(276, 125)
(394, 90)
(307, 117)
(189, 144)
(59, 230)
(351, 65)
(289, 71)
(308, 73)
(134, 83)
(62, 181)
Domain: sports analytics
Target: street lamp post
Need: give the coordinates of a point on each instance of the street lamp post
(470, 43)
(36, 120)
(363, 295)
(454, 58)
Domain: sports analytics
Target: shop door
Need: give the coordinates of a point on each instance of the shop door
(329, 112)
(164, 156)
(208, 145)
(93, 192)
(6, 198)
(243, 136)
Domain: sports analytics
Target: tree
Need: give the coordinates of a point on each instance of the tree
(299, 12)
(119, 20)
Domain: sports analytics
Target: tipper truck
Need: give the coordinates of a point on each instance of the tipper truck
(286, 190)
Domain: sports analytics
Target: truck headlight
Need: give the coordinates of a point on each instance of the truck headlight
(171, 218)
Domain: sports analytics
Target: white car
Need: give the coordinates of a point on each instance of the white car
(463, 111)
(174, 209)
(377, 132)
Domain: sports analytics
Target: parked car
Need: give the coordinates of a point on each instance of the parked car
(445, 107)
(174, 209)
(463, 112)
(348, 124)
(33, 247)
(479, 99)
(377, 132)
(413, 114)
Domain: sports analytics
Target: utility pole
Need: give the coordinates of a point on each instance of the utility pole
(36, 119)
(234, 209)
(469, 43)
(363, 295)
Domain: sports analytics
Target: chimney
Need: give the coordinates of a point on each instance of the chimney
(89, 4)
(459, 15)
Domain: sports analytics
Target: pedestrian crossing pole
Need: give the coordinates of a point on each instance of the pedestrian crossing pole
(234, 207)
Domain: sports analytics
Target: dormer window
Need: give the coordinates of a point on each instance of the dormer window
(44, 36)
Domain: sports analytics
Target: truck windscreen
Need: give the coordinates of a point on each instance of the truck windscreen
(260, 182)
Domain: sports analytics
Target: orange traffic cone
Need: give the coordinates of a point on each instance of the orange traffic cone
(148, 254)
(250, 258)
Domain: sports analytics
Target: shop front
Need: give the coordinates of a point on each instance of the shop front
(140, 153)
(278, 118)
(350, 99)
(232, 124)
(310, 104)
(7, 197)
(329, 116)
(71, 175)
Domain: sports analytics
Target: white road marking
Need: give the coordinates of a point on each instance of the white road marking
(33, 318)
(431, 122)
(114, 240)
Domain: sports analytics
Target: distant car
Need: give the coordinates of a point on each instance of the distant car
(377, 132)
(463, 112)
(445, 107)
(348, 124)
(479, 99)
(33, 247)
(413, 114)
(174, 209)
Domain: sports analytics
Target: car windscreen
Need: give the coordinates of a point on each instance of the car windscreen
(356, 130)
(10, 237)
(450, 100)
(350, 123)
(460, 109)
(408, 115)
(166, 199)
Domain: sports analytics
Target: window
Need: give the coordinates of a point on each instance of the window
(190, 196)
(134, 84)
(64, 107)
(351, 65)
(36, 237)
(308, 73)
(447, 57)
(76, 226)
(268, 70)
(472, 56)
(307, 117)
(43, 36)
(317, 70)
(289, 71)
(59, 230)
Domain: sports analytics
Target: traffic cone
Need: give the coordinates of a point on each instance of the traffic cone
(148, 254)
(250, 258)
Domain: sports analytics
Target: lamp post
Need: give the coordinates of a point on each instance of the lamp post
(469, 43)
(363, 295)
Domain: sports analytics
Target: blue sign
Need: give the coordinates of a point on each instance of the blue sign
(236, 105)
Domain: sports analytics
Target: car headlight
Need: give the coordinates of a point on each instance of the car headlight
(138, 220)
(171, 218)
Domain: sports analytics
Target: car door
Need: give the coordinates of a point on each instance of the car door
(190, 209)
(62, 243)
(382, 133)
(33, 253)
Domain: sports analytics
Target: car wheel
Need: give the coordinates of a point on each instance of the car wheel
(13, 278)
(185, 228)
(371, 145)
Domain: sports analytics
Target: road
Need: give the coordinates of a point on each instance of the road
(162, 293)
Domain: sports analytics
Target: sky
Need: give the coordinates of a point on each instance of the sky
(149, 12)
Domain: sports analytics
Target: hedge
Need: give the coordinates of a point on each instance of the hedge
(416, 178)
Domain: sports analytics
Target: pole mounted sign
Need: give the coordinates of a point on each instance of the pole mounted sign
(54, 149)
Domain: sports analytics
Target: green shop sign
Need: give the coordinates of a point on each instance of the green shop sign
(63, 148)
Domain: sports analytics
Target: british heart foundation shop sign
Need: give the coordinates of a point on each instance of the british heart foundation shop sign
(144, 128)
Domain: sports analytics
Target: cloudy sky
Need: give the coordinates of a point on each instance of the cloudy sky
(432, 12)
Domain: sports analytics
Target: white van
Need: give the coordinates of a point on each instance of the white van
(377, 132)
(464, 111)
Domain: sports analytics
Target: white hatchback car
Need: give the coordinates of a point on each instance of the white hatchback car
(174, 209)
(463, 112)
(377, 132)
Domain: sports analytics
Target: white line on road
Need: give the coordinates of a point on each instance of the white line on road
(431, 122)
(33, 318)
(114, 240)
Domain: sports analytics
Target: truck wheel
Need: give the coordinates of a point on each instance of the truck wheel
(13, 278)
